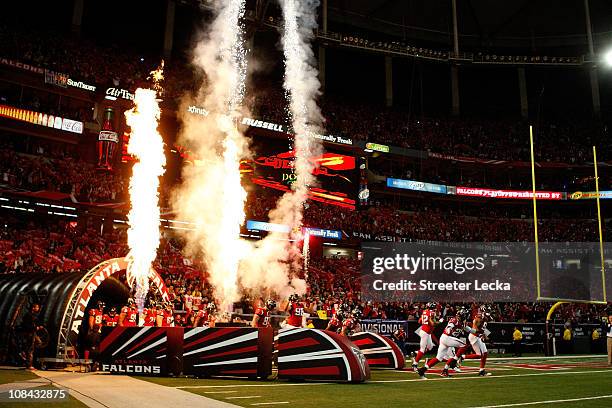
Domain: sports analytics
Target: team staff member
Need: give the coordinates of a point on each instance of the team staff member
(609, 338)
(517, 339)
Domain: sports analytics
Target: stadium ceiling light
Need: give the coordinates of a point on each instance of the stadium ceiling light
(608, 58)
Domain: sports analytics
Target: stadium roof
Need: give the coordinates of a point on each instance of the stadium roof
(481, 22)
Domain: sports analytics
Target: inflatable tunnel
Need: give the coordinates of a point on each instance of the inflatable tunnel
(64, 299)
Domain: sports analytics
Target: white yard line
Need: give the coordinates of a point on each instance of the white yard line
(522, 404)
(498, 376)
(271, 403)
(253, 385)
(219, 392)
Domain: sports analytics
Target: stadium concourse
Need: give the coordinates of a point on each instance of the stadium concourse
(193, 195)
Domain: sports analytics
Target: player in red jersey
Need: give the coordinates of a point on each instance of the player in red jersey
(149, 315)
(477, 335)
(111, 319)
(351, 324)
(296, 311)
(428, 322)
(204, 316)
(339, 315)
(165, 316)
(95, 317)
(261, 318)
(129, 314)
(452, 338)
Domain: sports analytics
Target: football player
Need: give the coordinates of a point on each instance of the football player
(95, 317)
(351, 324)
(129, 314)
(149, 315)
(451, 338)
(165, 316)
(428, 322)
(477, 334)
(111, 319)
(335, 323)
(295, 308)
(261, 318)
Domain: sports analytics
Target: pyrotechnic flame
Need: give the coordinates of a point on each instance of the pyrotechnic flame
(147, 145)
(212, 195)
(302, 88)
(157, 76)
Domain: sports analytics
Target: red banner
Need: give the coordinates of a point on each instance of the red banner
(508, 194)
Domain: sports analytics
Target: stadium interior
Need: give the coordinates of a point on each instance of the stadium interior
(417, 116)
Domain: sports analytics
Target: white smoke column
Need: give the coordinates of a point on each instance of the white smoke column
(302, 88)
(147, 145)
(211, 195)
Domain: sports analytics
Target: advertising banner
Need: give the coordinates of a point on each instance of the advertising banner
(508, 194)
(324, 233)
(56, 78)
(416, 185)
(253, 225)
(41, 119)
(375, 147)
(591, 195)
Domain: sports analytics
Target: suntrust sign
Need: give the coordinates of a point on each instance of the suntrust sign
(81, 85)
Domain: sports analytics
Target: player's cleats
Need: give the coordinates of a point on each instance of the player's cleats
(415, 368)
(457, 370)
(421, 371)
(483, 373)
(445, 373)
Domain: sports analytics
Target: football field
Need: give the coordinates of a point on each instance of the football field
(566, 382)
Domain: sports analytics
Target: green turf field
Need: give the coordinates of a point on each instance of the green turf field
(571, 383)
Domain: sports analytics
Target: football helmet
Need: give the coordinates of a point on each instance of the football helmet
(270, 304)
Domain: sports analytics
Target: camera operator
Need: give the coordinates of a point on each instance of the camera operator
(30, 325)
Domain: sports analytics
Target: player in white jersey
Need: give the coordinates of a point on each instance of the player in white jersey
(451, 338)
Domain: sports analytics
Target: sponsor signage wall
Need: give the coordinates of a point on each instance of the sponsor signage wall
(324, 233)
(42, 119)
(281, 129)
(119, 93)
(508, 194)
(266, 226)
(56, 78)
(81, 85)
(377, 147)
(416, 185)
(586, 195)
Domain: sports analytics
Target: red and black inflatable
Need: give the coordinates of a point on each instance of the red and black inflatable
(230, 351)
(308, 354)
(141, 350)
(379, 351)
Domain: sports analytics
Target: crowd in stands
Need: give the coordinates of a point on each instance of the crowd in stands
(435, 223)
(56, 170)
(568, 142)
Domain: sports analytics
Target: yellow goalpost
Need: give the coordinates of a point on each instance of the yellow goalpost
(549, 341)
